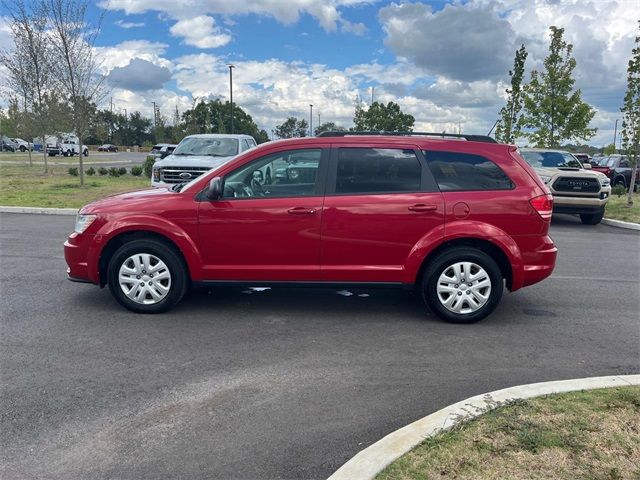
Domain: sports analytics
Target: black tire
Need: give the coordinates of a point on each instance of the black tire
(175, 264)
(86, 153)
(441, 263)
(592, 218)
(620, 181)
(22, 148)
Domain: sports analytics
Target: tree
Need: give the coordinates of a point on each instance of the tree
(609, 149)
(214, 116)
(72, 38)
(553, 111)
(382, 118)
(508, 129)
(329, 127)
(292, 128)
(631, 119)
(29, 67)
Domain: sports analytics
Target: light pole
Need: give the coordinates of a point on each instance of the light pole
(372, 90)
(310, 120)
(615, 135)
(231, 67)
(319, 123)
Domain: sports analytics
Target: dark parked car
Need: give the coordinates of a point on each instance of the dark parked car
(7, 145)
(454, 220)
(107, 147)
(618, 169)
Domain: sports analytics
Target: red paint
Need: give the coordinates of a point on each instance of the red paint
(342, 238)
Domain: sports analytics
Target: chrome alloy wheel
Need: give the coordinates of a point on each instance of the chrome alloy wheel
(144, 278)
(464, 287)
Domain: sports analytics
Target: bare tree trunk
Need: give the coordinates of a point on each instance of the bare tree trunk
(30, 159)
(634, 173)
(81, 163)
(44, 153)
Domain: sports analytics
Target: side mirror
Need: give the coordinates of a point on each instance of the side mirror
(586, 166)
(214, 189)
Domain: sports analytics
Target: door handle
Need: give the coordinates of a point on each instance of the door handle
(421, 207)
(301, 211)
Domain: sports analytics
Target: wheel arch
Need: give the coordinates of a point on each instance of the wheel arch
(185, 253)
(486, 246)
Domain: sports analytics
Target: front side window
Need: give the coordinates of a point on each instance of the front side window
(292, 173)
(212, 147)
(463, 171)
(377, 170)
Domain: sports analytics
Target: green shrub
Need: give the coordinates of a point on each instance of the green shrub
(114, 172)
(103, 171)
(619, 190)
(91, 171)
(73, 171)
(136, 171)
(122, 171)
(147, 166)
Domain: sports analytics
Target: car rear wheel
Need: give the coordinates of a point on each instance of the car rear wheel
(22, 148)
(462, 285)
(592, 218)
(147, 276)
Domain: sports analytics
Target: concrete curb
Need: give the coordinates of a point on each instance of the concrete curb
(39, 210)
(621, 224)
(369, 462)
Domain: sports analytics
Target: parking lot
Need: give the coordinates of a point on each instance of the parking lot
(95, 159)
(286, 383)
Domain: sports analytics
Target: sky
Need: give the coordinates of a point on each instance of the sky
(445, 62)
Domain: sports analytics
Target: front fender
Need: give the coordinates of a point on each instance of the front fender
(145, 223)
(465, 229)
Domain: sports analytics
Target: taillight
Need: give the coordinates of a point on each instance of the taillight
(543, 205)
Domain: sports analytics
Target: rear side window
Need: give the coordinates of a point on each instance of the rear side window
(463, 171)
(377, 170)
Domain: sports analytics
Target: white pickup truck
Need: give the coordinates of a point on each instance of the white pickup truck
(197, 154)
(66, 144)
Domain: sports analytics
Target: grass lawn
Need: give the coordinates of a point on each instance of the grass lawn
(617, 208)
(591, 434)
(29, 187)
(36, 158)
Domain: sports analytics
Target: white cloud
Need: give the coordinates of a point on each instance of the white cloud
(127, 25)
(327, 13)
(201, 32)
(120, 54)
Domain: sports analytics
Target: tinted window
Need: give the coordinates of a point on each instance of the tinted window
(624, 163)
(463, 171)
(377, 170)
(245, 145)
(291, 173)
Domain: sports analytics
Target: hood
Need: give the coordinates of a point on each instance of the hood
(133, 201)
(192, 161)
(550, 172)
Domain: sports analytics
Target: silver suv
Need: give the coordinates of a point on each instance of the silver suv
(197, 154)
(575, 188)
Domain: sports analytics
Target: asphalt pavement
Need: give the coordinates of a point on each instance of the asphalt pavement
(286, 383)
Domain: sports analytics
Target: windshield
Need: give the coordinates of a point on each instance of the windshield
(214, 147)
(551, 160)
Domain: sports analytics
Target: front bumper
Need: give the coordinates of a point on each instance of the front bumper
(76, 254)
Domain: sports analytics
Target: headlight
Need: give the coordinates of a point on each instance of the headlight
(83, 222)
(156, 174)
(604, 181)
(545, 178)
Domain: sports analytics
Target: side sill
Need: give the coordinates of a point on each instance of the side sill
(317, 284)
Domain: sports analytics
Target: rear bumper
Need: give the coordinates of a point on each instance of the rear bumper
(539, 256)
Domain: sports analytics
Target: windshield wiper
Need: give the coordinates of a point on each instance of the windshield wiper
(185, 154)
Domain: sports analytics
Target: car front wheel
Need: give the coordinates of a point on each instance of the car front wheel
(147, 276)
(462, 285)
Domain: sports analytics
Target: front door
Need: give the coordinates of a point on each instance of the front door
(266, 226)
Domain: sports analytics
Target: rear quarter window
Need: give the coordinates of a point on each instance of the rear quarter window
(455, 171)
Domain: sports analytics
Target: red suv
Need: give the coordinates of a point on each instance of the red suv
(456, 217)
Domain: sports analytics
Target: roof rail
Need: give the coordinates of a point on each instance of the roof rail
(470, 138)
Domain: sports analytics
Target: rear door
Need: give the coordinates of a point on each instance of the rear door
(380, 202)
